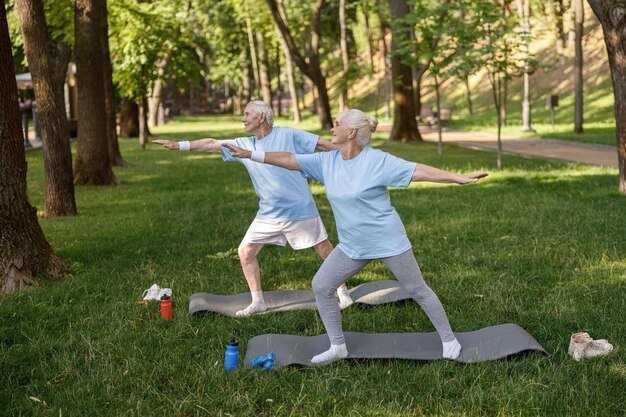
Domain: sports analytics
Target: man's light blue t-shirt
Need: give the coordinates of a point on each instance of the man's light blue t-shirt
(284, 195)
(368, 225)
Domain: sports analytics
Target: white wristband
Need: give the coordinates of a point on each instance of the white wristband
(184, 145)
(258, 156)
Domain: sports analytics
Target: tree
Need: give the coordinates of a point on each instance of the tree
(48, 59)
(291, 78)
(612, 17)
(523, 9)
(312, 69)
(24, 251)
(92, 148)
(404, 122)
(115, 156)
(343, 98)
(499, 49)
(579, 13)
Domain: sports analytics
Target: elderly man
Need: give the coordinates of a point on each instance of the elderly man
(287, 212)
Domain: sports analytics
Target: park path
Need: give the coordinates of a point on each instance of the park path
(560, 150)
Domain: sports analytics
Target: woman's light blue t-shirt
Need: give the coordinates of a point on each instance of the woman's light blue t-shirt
(283, 195)
(368, 225)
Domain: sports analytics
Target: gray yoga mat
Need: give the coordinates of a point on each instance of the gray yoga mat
(372, 293)
(485, 344)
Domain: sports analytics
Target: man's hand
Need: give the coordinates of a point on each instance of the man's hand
(238, 152)
(167, 144)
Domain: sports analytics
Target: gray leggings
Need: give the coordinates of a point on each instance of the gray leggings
(338, 268)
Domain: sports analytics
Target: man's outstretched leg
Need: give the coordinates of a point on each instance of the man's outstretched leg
(324, 249)
(248, 256)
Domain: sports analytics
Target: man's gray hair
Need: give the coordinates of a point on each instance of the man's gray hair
(261, 107)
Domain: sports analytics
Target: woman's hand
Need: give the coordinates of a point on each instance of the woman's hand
(167, 144)
(470, 178)
(238, 152)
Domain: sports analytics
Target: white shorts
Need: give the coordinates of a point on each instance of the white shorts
(300, 234)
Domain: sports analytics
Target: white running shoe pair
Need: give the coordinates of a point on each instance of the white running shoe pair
(156, 293)
(581, 345)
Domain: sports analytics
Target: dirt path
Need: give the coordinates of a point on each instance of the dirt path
(561, 150)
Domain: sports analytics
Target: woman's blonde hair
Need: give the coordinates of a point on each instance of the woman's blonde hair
(364, 124)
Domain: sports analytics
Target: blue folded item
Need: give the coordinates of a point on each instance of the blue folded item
(266, 362)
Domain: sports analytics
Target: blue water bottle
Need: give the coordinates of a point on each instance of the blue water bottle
(231, 357)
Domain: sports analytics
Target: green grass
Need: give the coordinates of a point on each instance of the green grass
(540, 244)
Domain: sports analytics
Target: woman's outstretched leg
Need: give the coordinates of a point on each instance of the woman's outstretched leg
(335, 270)
(405, 268)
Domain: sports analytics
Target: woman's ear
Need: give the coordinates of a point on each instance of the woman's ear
(352, 134)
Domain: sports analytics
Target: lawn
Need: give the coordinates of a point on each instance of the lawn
(540, 244)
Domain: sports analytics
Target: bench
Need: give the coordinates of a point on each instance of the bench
(428, 115)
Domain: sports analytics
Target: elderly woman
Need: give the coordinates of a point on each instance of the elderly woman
(356, 177)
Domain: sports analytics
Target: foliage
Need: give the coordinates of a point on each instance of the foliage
(60, 20)
(144, 34)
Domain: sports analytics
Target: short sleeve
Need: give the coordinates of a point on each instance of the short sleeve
(311, 165)
(397, 172)
(226, 155)
(304, 142)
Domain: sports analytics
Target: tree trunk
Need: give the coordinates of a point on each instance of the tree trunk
(47, 61)
(612, 16)
(343, 42)
(154, 102)
(279, 87)
(579, 12)
(504, 104)
(143, 123)
(245, 82)
(385, 58)
(92, 150)
(311, 68)
(559, 27)
(293, 92)
(496, 89)
(439, 121)
(523, 8)
(404, 123)
(468, 96)
(115, 156)
(365, 22)
(253, 57)
(24, 251)
(264, 72)
(129, 119)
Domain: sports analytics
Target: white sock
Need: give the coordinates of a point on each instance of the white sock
(344, 297)
(335, 352)
(257, 305)
(451, 350)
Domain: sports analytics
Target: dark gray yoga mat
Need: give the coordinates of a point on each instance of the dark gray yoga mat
(485, 344)
(372, 293)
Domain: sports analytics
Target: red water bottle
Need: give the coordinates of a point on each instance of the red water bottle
(166, 308)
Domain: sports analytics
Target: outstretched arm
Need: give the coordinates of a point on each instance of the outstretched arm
(427, 173)
(280, 159)
(200, 145)
(323, 145)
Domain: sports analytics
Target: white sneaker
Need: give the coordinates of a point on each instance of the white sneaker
(581, 345)
(151, 293)
(578, 342)
(599, 347)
